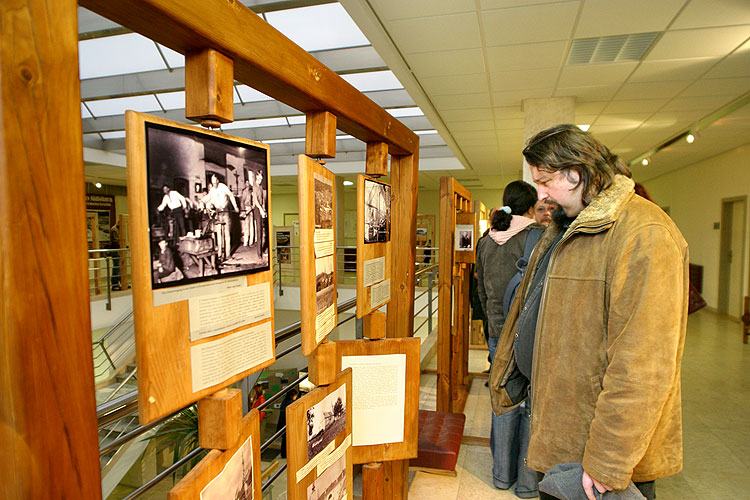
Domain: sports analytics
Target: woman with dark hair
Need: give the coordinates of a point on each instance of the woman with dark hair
(496, 265)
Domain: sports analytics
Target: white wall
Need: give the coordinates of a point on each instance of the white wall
(694, 195)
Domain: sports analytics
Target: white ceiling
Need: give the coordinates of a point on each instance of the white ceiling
(468, 64)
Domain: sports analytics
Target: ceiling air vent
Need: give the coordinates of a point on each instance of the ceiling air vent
(610, 49)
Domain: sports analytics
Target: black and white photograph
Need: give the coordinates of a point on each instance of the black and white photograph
(323, 203)
(235, 481)
(207, 206)
(464, 238)
(325, 420)
(377, 212)
(325, 292)
(331, 485)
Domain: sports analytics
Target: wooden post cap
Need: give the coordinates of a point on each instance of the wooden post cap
(209, 83)
(320, 134)
(373, 325)
(377, 159)
(322, 364)
(220, 419)
(373, 479)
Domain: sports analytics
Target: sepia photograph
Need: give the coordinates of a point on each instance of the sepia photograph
(464, 238)
(325, 291)
(377, 212)
(235, 481)
(323, 202)
(207, 206)
(325, 420)
(331, 485)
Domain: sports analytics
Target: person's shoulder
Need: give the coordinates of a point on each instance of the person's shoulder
(639, 215)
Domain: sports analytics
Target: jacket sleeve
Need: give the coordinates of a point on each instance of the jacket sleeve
(647, 314)
(481, 291)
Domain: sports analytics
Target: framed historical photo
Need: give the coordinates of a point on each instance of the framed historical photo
(465, 237)
(317, 224)
(226, 474)
(199, 205)
(373, 244)
(319, 452)
(385, 411)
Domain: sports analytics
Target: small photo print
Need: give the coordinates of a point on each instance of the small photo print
(323, 188)
(464, 238)
(324, 422)
(331, 485)
(325, 291)
(377, 212)
(235, 481)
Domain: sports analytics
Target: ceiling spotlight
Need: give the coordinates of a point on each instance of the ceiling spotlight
(348, 183)
(98, 185)
(644, 162)
(690, 138)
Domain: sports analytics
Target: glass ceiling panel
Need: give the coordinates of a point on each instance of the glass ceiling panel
(318, 27)
(405, 112)
(373, 80)
(249, 94)
(175, 59)
(85, 112)
(117, 134)
(118, 55)
(296, 119)
(117, 106)
(172, 100)
(263, 122)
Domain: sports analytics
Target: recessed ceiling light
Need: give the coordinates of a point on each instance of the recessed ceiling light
(348, 183)
(690, 138)
(98, 185)
(583, 127)
(644, 162)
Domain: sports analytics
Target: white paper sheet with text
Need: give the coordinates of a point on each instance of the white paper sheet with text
(325, 322)
(378, 398)
(216, 361)
(165, 296)
(373, 271)
(218, 313)
(380, 293)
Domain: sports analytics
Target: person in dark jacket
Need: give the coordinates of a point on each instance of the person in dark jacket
(496, 264)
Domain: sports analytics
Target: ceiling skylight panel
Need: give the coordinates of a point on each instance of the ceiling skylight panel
(373, 80)
(117, 55)
(172, 100)
(85, 112)
(405, 112)
(249, 94)
(117, 106)
(117, 134)
(174, 59)
(296, 119)
(318, 27)
(262, 122)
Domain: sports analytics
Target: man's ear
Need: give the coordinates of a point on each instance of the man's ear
(573, 176)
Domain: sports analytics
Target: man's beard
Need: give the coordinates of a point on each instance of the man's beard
(558, 216)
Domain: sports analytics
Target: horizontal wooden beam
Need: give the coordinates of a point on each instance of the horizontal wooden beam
(263, 58)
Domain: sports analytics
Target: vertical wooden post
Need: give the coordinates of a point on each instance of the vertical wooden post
(445, 284)
(373, 481)
(47, 408)
(400, 321)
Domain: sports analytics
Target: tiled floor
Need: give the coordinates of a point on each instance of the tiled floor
(716, 419)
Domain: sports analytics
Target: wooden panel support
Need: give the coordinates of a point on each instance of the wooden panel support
(373, 326)
(209, 84)
(373, 481)
(322, 364)
(377, 159)
(220, 419)
(48, 441)
(320, 134)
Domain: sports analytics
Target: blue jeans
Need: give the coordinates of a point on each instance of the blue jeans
(509, 442)
(492, 346)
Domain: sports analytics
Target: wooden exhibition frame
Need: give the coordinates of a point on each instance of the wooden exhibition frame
(407, 448)
(307, 169)
(368, 251)
(468, 256)
(190, 486)
(162, 333)
(453, 315)
(45, 298)
(296, 425)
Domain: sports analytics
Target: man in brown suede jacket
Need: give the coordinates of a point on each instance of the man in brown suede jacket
(597, 327)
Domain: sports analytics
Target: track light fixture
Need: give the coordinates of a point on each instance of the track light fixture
(690, 138)
(645, 162)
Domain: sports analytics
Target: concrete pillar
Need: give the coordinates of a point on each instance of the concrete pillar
(542, 113)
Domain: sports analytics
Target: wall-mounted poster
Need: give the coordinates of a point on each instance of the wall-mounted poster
(203, 300)
(283, 244)
(464, 244)
(319, 442)
(201, 234)
(377, 211)
(373, 245)
(103, 205)
(230, 474)
(317, 216)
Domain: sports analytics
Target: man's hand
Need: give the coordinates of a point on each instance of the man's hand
(588, 481)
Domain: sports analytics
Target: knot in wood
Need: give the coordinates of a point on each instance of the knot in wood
(316, 74)
(26, 74)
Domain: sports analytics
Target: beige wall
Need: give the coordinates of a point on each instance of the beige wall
(694, 195)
